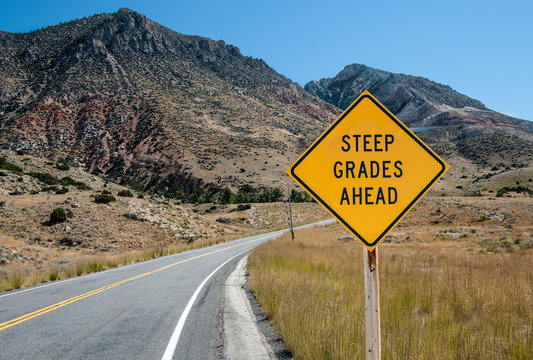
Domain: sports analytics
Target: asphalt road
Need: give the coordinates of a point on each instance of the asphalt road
(167, 308)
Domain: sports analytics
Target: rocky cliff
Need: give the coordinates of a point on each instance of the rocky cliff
(415, 100)
(127, 98)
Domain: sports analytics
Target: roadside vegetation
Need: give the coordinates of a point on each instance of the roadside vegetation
(15, 277)
(439, 299)
(244, 194)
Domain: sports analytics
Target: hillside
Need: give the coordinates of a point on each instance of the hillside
(129, 99)
(130, 227)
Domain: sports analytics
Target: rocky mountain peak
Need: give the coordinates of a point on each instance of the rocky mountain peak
(417, 101)
(124, 96)
(356, 77)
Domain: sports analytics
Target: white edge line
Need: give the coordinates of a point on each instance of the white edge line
(172, 344)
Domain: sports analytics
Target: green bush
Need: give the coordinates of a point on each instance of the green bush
(104, 198)
(58, 215)
(227, 197)
(8, 166)
(19, 152)
(517, 189)
(67, 180)
(63, 190)
(45, 178)
(62, 165)
(83, 186)
(125, 193)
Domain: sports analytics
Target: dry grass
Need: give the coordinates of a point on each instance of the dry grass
(18, 275)
(439, 300)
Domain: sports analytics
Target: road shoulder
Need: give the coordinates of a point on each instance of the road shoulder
(247, 333)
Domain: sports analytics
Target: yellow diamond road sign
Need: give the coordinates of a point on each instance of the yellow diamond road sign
(368, 170)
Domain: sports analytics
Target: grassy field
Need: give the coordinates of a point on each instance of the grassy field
(442, 299)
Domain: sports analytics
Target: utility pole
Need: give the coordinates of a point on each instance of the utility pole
(290, 206)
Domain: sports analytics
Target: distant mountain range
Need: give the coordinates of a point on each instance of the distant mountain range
(415, 100)
(132, 100)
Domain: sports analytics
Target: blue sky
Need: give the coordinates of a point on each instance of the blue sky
(481, 48)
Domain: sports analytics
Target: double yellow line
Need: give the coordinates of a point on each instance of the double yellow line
(58, 305)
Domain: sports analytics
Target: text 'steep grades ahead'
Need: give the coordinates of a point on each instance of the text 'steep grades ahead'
(368, 169)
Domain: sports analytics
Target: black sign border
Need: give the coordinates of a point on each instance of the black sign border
(404, 128)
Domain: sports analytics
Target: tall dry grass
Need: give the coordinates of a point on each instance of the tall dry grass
(20, 275)
(441, 300)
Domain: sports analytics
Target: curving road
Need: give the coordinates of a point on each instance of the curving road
(167, 308)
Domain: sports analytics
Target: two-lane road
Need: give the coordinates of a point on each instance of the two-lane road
(159, 309)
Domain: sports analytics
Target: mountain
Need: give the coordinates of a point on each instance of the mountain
(486, 150)
(128, 99)
(132, 100)
(415, 100)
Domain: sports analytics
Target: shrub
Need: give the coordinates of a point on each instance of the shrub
(58, 215)
(82, 186)
(49, 188)
(62, 165)
(68, 181)
(63, 190)
(104, 198)
(227, 196)
(2, 173)
(19, 152)
(242, 207)
(125, 193)
(54, 274)
(8, 166)
(518, 189)
(45, 178)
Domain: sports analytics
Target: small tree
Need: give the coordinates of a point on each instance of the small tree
(276, 195)
(227, 196)
(58, 215)
(125, 193)
(296, 196)
(104, 198)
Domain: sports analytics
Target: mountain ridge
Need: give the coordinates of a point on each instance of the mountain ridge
(115, 92)
(131, 100)
(417, 101)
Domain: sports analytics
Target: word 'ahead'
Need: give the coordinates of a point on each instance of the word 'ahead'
(368, 170)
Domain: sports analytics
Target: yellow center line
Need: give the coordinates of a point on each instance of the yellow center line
(74, 299)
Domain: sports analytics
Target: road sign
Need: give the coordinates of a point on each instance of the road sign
(368, 170)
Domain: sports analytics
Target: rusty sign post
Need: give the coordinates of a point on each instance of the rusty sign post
(368, 170)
